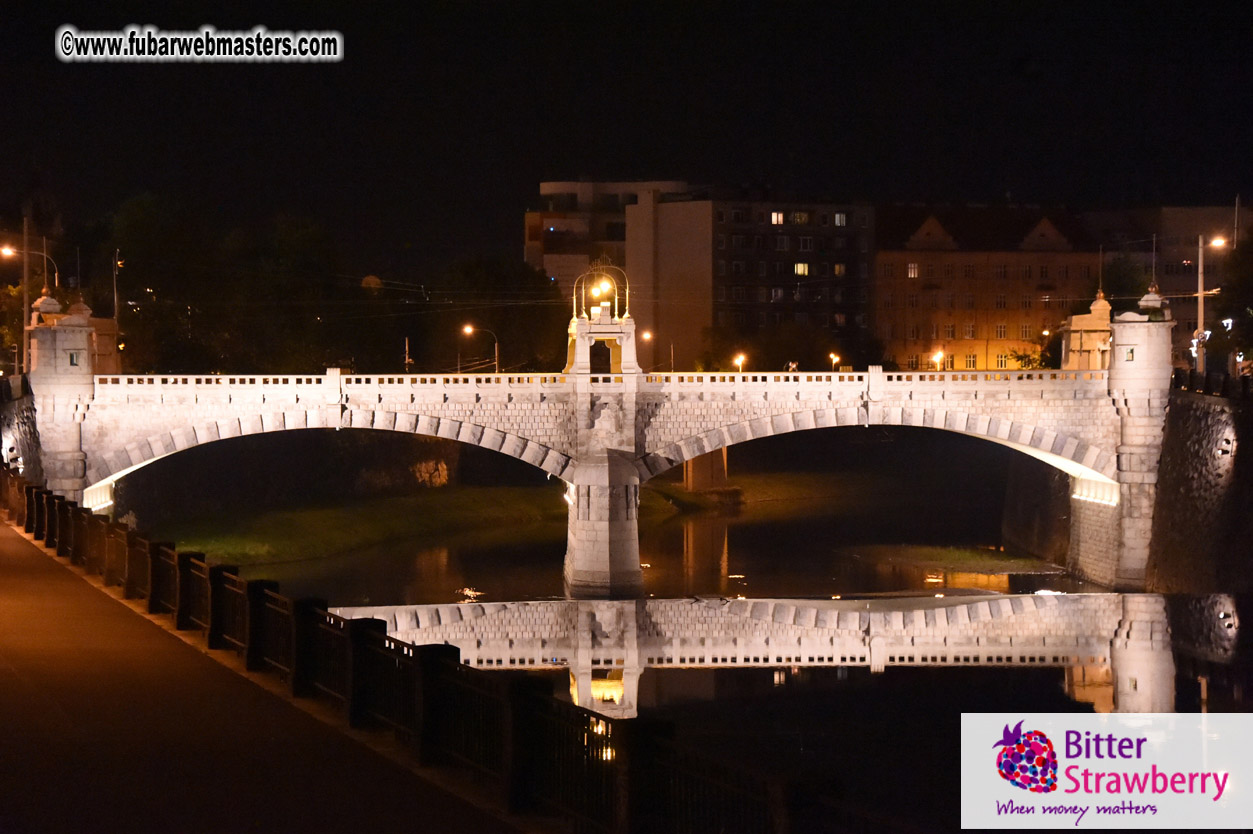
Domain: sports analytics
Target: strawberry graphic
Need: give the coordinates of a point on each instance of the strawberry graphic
(1027, 760)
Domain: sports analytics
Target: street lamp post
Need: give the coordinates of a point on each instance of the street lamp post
(739, 362)
(470, 329)
(834, 358)
(9, 251)
(1200, 298)
(938, 359)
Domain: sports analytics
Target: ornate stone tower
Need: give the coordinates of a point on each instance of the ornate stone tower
(62, 385)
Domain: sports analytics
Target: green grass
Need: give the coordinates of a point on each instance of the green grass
(483, 515)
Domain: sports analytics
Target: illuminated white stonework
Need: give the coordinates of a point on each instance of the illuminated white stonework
(606, 433)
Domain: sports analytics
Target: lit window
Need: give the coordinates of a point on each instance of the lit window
(838, 269)
(778, 294)
(1002, 361)
(776, 218)
(911, 270)
(801, 269)
(971, 361)
(839, 219)
(800, 218)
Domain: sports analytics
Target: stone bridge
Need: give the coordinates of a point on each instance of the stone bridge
(1106, 638)
(606, 433)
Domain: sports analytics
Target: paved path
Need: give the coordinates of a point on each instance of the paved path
(109, 723)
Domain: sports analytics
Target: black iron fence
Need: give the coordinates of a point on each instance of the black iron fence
(602, 774)
(1214, 383)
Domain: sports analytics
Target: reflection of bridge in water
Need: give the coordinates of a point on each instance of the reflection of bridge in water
(1101, 639)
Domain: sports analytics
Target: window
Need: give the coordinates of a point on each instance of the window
(950, 300)
(839, 219)
(1000, 271)
(839, 319)
(737, 293)
(950, 331)
(807, 244)
(911, 300)
(737, 267)
(968, 301)
(778, 294)
(763, 294)
(737, 215)
(800, 218)
(935, 331)
(722, 241)
(948, 362)
(1002, 331)
(972, 361)
(722, 267)
(1001, 302)
(968, 271)
(1026, 302)
(719, 216)
(800, 269)
(761, 268)
(802, 317)
(948, 270)
(838, 270)
(912, 332)
(912, 364)
(887, 301)
(888, 271)
(781, 243)
(1025, 331)
(911, 270)
(757, 242)
(1044, 273)
(1026, 272)
(737, 241)
(929, 270)
(840, 243)
(1002, 361)
(722, 293)
(776, 218)
(969, 331)
(822, 219)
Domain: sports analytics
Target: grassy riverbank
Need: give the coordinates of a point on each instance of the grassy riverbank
(481, 514)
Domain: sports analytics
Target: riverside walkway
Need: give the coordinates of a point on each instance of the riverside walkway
(110, 723)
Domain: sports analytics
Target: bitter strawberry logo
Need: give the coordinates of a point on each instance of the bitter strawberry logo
(1027, 760)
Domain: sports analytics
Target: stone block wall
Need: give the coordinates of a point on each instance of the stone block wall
(1203, 523)
(19, 435)
(1095, 535)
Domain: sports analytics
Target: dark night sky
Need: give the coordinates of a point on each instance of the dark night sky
(431, 136)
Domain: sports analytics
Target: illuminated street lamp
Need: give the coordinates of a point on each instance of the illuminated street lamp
(1217, 242)
(9, 251)
(834, 358)
(739, 362)
(938, 359)
(470, 329)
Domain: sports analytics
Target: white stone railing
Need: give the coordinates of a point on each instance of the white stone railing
(379, 387)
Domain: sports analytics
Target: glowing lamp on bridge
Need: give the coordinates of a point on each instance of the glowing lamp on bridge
(938, 359)
(647, 335)
(470, 330)
(600, 282)
(739, 362)
(1201, 333)
(834, 358)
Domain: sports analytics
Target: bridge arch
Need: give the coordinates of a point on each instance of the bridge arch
(104, 470)
(1058, 449)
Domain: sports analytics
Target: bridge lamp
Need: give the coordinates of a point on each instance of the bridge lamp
(938, 359)
(9, 252)
(834, 358)
(739, 362)
(1201, 334)
(647, 335)
(470, 329)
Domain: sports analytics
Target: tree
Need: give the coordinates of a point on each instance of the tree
(1234, 303)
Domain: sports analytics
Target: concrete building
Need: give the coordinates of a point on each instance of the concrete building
(1175, 231)
(974, 284)
(741, 264)
(578, 222)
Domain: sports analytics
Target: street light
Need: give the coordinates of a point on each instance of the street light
(470, 329)
(739, 362)
(938, 359)
(9, 251)
(1217, 243)
(834, 359)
